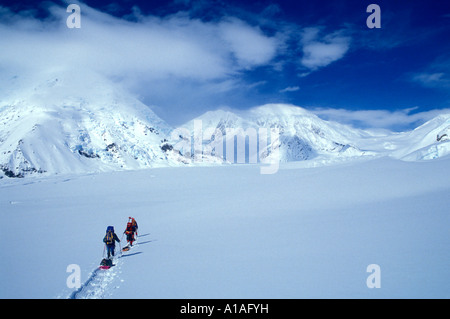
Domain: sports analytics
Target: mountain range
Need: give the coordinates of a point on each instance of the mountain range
(76, 124)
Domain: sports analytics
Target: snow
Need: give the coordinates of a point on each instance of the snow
(81, 125)
(304, 136)
(231, 232)
(342, 199)
(63, 123)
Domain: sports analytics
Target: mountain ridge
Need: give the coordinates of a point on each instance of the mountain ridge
(67, 124)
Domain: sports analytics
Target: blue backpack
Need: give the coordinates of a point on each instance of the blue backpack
(109, 235)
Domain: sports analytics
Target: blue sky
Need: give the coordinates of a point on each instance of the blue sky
(185, 57)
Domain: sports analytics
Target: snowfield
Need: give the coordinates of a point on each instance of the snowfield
(271, 201)
(230, 232)
(78, 155)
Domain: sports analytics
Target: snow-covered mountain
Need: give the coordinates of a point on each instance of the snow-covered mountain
(428, 141)
(305, 136)
(70, 124)
(67, 122)
(296, 133)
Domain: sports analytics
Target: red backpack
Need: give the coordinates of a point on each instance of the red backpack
(129, 229)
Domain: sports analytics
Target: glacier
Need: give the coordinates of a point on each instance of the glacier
(79, 154)
(231, 232)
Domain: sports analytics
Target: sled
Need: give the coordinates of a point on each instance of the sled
(106, 264)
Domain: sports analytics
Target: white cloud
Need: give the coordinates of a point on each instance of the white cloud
(319, 52)
(154, 47)
(248, 44)
(431, 79)
(434, 75)
(171, 60)
(290, 89)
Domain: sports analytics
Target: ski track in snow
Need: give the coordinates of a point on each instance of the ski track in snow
(100, 281)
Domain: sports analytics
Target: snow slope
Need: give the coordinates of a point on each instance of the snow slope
(300, 135)
(64, 122)
(304, 136)
(69, 124)
(230, 232)
(426, 142)
(219, 231)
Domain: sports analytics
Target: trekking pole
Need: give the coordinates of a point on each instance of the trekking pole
(121, 238)
(104, 247)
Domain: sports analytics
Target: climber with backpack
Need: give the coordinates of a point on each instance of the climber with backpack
(130, 230)
(134, 225)
(110, 240)
(130, 234)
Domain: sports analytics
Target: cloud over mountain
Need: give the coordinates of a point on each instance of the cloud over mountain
(321, 51)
